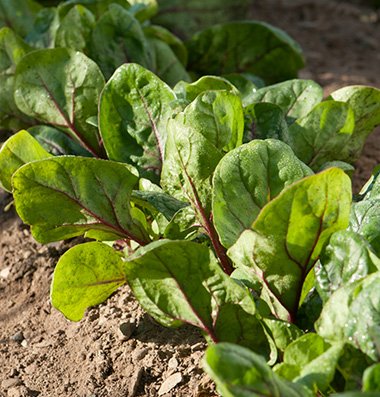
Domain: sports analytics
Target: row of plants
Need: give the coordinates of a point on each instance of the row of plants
(224, 202)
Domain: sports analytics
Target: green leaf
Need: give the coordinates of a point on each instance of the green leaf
(265, 120)
(196, 139)
(239, 372)
(246, 179)
(371, 378)
(248, 46)
(296, 98)
(143, 9)
(90, 194)
(347, 257)
(18, 15)
(352, 314)
(365, 102)
(12, 49)
(75, 29)
(118, 38)
(61, 87)
(85, 276)
(189, 91)
(56, 143)
(365, 221)
(322, 134)
(289, 233)
(134, 108)
(46, 23)
(246, 83)
(187, 18)
(18, 150)
(181, 282)
(282, 332)
(356, 394)
(97, 7)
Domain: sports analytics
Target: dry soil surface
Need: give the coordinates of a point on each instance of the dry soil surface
(118, 350)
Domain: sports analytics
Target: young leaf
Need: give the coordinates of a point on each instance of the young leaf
(371, 378)
(117, 39)
(189, 91)
(85, 276)
(65, 197)
(239, 372)
(75, 29)
(246, 179)
(352, 315)
(247, 46)
(134, 108)
(365, 102)
(181, 281)
(322, 134)
(265, 120)
(296, 98)
(348, 257)
(56, 143)
(288, 235)
(18, 150)
(61, 87)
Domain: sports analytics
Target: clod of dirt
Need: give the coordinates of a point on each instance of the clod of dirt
(170, 383)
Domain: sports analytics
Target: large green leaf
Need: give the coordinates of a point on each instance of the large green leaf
(352, 314)
(246, 179)
(18, 150)
(65, 197)
(196, 139)
(365, 102)
(347, 257)
(12, 49)
(75, 29)
(85, 276)
(134, 108)
(288, 235)
(181, 282)
(322, 134)
(296, 98)
(249, 46)
(239, 372)
(118, 38)
(18, 15)
(61, 87)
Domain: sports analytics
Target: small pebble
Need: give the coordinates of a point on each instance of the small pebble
(11, 382)
(4, 273)
(173, 363)
(170, 383)
(126, 330)
(24, 343)
(18, 337)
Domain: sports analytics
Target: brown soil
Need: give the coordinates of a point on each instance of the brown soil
(42, 354)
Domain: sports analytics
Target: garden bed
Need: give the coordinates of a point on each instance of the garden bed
(117, 349)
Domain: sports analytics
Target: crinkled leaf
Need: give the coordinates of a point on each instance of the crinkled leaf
(118, 38)
(347, 257)
(18, 150)
(75, 29)
(247, 46)
(85, 276)
(239, 372)
(289, 233)
(65, 197)
(352, 314)
(296, 98)
(265, 120)
(61, 87)
(18, 15)
(196, 139)
(134, 108)
(246, 179)
(322, 134)
(12, 49)
(56, 143)
(365, 102)
(187, 92)
(181, 282)
(365, 221)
